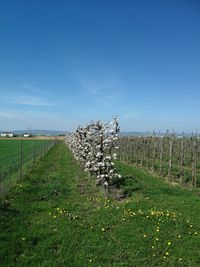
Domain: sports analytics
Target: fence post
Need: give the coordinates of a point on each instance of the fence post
(161, 155)
(21, 159)
(194, 163)
(40, 148)
(170, 156)
(45, 147)
(181, 160)
(34, 152)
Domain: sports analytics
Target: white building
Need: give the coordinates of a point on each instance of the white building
(7, 134)
(26, 135)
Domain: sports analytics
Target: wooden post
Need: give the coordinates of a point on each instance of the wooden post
(21, 159)
(194, 163)
(155, 140)
(170, 156)
(161, 155)
(41, 149)
(34, 152)
(181, 160)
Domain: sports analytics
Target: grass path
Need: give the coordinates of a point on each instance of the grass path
(57, 217)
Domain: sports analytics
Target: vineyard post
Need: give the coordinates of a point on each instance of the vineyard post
(154, 150)
(129, 151)
(194, 163)
(170, 155)
(148, 154)
(40, 148)
(45, 147)
(136, 150)
(21, 159)
(33, 151)
(181, 160)
(142, 150)
(161, 154)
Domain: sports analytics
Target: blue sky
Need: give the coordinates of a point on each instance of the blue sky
(64, 63)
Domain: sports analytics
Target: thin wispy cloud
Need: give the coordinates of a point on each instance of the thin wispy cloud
(104, 92)
(5, 114)
(30, 100)
(27, 100)
(15, 119)
(21, 92)
(31, 88)
(131, 115)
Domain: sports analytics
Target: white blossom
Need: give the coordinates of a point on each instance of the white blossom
(94, 147)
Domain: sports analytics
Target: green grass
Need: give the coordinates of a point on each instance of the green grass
(57, 217)
(10, 158)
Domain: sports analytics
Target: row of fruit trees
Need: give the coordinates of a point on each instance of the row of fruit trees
(95, 147)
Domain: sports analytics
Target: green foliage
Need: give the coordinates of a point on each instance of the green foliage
(57, 217)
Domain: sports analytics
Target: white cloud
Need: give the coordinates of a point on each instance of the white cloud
(15, 119)
(22, 92)
(131, 115)
(104, 92)
(29, 100)
(5, 114)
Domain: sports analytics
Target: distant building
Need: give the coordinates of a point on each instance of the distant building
(7, 134)
(26, 135)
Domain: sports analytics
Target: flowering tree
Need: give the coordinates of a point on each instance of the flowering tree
(95, 147)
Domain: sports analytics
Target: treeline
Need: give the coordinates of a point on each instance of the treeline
(170, 156)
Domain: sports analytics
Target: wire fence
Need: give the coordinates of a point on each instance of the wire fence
(18, 157)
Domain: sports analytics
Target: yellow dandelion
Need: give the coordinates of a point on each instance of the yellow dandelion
(144, 235)
(169, 243)
(167, 253)
(195, 233)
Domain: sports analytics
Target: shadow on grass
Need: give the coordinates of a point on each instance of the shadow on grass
(127, 184)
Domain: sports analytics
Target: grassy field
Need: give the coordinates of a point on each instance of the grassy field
(11, 152)
(57, 217)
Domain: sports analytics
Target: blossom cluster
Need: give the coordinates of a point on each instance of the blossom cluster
(95, 147)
